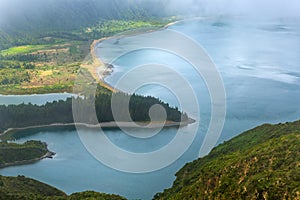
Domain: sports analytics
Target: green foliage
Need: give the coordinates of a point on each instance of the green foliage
(20, 65)
(11, 64)
(11, 153)
(139, 107)
(105, 28)
(15, 76)
(50, 70)
(30, 115)
(23, 49)
(59, 33)
(262, 163)
(32, 24)
(23, 115)
(91, 195)
(55, 88)
(22, 188)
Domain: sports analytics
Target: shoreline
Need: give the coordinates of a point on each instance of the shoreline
(98, 69)
(48, 154)
(101, 70)
(105, 125)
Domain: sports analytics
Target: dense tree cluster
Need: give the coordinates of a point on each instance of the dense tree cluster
(29, 114)
(11, 153)
(139, 107)
(23, 115)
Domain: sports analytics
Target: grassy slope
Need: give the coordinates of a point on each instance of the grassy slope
(53, 65)
(55, 37)
(35, 16)
(25, 188)
(22, 188)
(262, 163)
(23, 49)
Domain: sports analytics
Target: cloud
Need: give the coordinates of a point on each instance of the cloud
(250, 8)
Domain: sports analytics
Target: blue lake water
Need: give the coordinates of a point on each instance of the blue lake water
(259, 64)
(38, 99)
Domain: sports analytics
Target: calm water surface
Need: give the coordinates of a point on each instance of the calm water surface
(260, 65)
(38, 99)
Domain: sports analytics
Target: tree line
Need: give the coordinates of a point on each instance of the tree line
(22, 115)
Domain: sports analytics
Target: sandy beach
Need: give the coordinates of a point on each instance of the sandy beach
(98, 69)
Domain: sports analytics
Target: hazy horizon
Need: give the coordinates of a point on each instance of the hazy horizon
(250, 8)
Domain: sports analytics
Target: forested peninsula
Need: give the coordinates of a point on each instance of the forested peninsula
(46, 57)
(26, 115)
(19, 154)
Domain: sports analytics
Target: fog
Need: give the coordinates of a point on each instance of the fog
(16, 9)
(248, 8)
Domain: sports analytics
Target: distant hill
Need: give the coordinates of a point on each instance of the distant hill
(16, 16)
(262, 163)
(70, 14)
(22, 188)
(35, 18)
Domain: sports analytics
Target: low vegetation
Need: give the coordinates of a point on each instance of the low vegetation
(25, 188)
(41, 68)
(13, 154)
(113, 27)
(22, 188)
(94, 195)
(263, 163)
(25, 49)
(50, 62)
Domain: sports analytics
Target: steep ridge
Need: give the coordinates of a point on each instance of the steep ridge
(262, 163)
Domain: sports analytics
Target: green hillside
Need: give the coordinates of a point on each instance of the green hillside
(70, 14)
(262, 163)
(25, 188)
(16, 154)
(22, 188)
(44, 43)
(21, 23)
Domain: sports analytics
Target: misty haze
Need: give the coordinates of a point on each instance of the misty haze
(160, 99)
